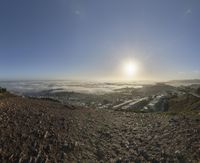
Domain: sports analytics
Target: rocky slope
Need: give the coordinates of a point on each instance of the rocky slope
(184, 103)
(33, 130)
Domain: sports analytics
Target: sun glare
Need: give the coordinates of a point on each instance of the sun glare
(130, 69)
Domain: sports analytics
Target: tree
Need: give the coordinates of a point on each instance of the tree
(2, 90)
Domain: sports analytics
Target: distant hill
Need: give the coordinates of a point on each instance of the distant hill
(184, 82)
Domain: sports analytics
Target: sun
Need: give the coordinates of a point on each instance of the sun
(130, 68)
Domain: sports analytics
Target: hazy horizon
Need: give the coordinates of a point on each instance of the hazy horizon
(96, 80)
(99, 40)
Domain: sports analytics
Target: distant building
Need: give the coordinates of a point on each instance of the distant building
(137, 105)
(159, 103)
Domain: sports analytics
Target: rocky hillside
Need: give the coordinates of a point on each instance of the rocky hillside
(184, 103)
(33, 130)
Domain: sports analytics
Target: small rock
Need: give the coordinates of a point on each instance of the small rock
(119, 160)
(149, 137)
(46, 134)
(67, 147)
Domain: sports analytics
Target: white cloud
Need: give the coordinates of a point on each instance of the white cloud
(77, 12)
(188, 12)
(197, 72)
(181, 73)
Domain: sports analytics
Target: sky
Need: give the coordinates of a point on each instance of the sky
(87, 39)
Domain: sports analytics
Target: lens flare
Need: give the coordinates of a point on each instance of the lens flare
(130, 69)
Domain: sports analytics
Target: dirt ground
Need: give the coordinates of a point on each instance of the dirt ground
(33, 130)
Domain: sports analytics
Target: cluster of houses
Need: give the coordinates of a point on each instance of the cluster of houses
(147, 104)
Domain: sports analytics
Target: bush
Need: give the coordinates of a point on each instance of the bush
(2, 90)
(198, 91)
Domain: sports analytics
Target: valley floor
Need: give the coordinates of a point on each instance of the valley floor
(33, 130)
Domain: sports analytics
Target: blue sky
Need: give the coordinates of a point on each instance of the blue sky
(87, 39)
